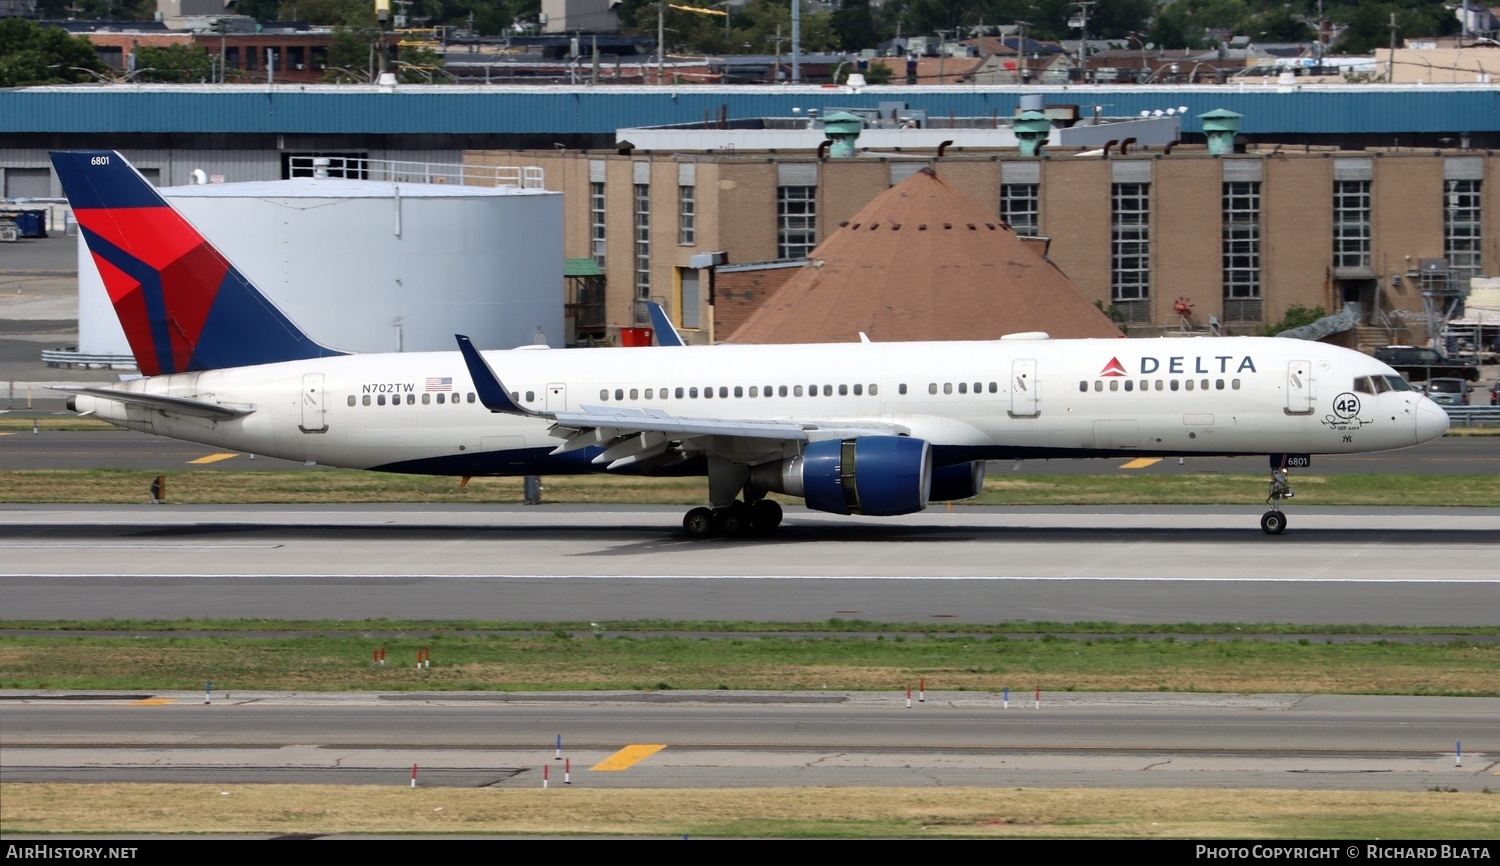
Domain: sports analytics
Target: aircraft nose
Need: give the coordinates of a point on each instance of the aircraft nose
(1432, 420)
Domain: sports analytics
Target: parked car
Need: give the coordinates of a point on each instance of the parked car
(1448, 392)
(1419, 364)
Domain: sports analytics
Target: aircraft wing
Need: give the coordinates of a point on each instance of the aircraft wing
(161, 402)
(632, 435)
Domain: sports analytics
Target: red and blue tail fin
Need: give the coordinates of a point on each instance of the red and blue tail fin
(182, 304)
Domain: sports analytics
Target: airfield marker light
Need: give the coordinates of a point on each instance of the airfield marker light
(1007, 698)
(568, 772)
(921, 690)
(558, 755)
(1038, 697)
(208, 688)
(413, 775)
(908, 697)
(1458, 754)
(545, 768)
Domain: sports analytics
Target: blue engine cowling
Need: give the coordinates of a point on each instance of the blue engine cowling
(957, 482)
(879, 475)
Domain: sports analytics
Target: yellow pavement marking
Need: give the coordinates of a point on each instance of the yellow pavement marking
(1141, 463)
(153, 702)
(213, 458)
(628, 757)
(8, 433)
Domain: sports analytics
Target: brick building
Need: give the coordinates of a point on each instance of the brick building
(1240, 237)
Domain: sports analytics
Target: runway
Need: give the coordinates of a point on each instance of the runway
(729, 740)
(581, 563)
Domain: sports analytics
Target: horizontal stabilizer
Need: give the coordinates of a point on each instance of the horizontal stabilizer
(163, 403)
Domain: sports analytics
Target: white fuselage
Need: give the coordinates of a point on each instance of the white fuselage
(1013, 398)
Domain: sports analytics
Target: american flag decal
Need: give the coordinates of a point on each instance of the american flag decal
(439, 383)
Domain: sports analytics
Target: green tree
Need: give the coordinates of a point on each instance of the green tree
(32, 54)
(177, 63)
(352, 56)
(417, 64)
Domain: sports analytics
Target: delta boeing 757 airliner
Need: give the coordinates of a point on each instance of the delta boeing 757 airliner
(851, 428)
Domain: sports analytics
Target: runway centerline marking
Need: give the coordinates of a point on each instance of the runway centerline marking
(627, 757)
(213, 458)
(1141, 463)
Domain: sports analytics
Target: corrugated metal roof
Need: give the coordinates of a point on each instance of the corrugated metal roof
(460, 109)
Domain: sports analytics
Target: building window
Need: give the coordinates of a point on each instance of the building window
(1130, 250)
(1461, 223)
(642, 252)
(1020, 206)
(596, 222)
(796, 221)
(1241, 251)
(1351, 224)
(687, 215)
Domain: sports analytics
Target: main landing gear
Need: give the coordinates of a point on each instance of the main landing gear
(1273, 522)
(737, 519)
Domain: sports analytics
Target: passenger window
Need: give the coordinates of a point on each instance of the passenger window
(678, 393)
(978, 386)
(441, 398)
(1160, 385)
(471, 396)
(1234, 384)
(603, 393)
(754, 390)
(1129, 385)
(635, 394)
(693, 393)
(781, 391)
(1218, 384)
(365, 399)
(947, 387)
(351, 400)
(649, 392)
(900, 389)
(619, 393)
(411, 399)
(932, 388)
(843, 390)
(426, 399)
(1083, 387)
(963, 387)
(1114, 384)
(796, 390)
(858, 390)
(994, 387)
(708, 393)
(875, 389)
(1098, 385)
(1203, 384)
(1175, 384)
(1189, 384)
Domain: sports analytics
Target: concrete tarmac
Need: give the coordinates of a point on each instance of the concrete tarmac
(581, 563)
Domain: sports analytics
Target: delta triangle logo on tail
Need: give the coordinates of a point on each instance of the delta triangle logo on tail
(1113, 368)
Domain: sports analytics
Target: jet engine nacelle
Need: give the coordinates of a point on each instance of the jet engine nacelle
(878, 475)
(957, 482)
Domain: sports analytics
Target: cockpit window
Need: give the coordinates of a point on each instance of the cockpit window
(1362, 385)
(1397, 383)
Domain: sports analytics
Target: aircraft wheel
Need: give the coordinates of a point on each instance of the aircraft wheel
(734, 520)
(699, 523)
(765, 515)
(1273, 522)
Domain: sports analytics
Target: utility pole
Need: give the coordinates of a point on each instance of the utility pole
(776, 41)
(796, 41)
(1080, 20)
(1390, 68)
(661, 39)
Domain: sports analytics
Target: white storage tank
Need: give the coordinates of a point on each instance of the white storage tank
(368, 266)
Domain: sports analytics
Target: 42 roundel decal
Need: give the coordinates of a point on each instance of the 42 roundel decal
(1346, 405)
